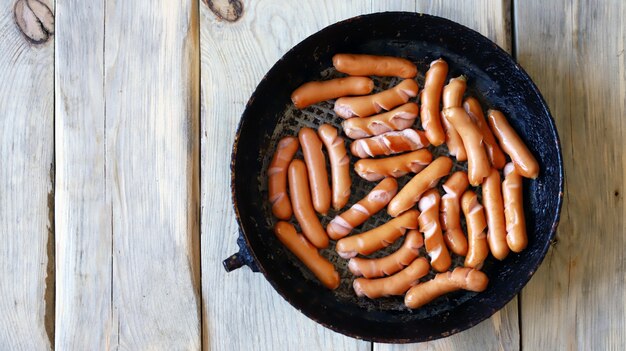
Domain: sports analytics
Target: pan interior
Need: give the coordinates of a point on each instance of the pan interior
(289, 123)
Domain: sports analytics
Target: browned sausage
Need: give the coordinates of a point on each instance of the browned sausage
(399, 118)
(475, 219)
(430, 98)
(443, 283)
(494, 211)
(478, 165)
(303, 206)
(371, 65)
(451, 212)
(395, 166)
(308, 254)
(413, 190)
(313, 92)
(373, 202)
(475, 111)
(396, 284)
(377, 238)
(390, 264)
(339, 165)
(516, 236)
(363, 106)
(316, 166)
(389, 143)
(430, 226)
(453, 97)
(277, 174)
(513, 145)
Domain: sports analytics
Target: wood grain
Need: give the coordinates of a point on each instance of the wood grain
(234, 58)
(82, 210)
(26, 188)
(127, 148)
(152, 153)
(491, 18)
(253, 40)
(396, 5)
(574, 51)
(501, 331)
(126, 214)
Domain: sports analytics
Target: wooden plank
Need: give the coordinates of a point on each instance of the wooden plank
(575, 54)
(26, 185)
(82, 211)
(128, 180)
(398, 5)
(241, 52)
(152, 153)
(491, 18)
(501, 331)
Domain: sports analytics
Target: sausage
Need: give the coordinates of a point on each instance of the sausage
(277, 174)
(516, 236)
(373, 202)
(443, 283)
(430, 99)
(494, 152)
(313, 92)
(371, 65)
(339, 165)
(316, 166)
(308, 254)
(408, 196)
(478, 165)
(453, 92)
(475, 221)
(494, 211)
(453, 97)
(390, 264)
(513, 145)
(394, 166)
(430, 226)
(396, 284)
(363, 106)
(399, 118)
(451, 212)
(377, 238)
(389, 143)
(303, 206)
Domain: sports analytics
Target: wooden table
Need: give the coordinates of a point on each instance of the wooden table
(115, 138)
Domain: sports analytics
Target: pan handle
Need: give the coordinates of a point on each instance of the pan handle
(241, 258)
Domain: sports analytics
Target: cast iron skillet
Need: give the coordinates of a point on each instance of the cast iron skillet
(493, 77)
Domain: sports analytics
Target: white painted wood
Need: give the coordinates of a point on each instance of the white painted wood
(127, 153)
(241, 311)
(26, 188)
(151, 63)
(82, 211)
(396, 5)
(491, 18)
(127, 251)
(574, 51)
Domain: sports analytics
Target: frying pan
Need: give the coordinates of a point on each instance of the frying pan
(493, 77)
